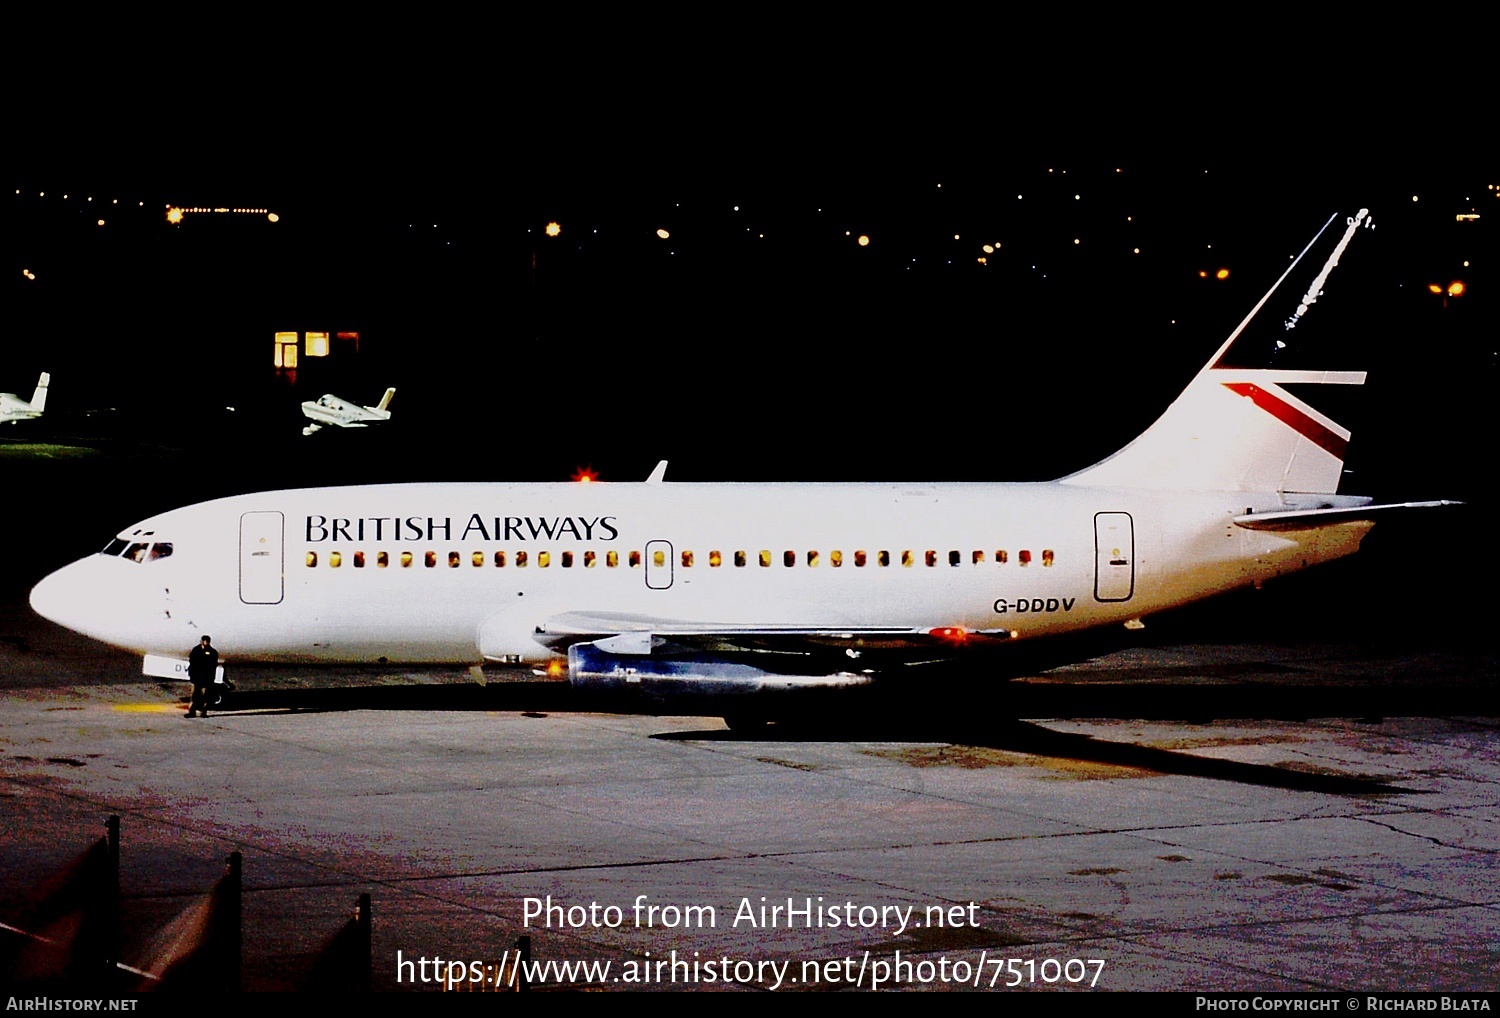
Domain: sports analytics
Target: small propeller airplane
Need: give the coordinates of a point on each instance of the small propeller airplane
(13, 408)
(329, 409)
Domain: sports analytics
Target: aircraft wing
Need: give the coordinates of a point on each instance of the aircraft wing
(637, 634)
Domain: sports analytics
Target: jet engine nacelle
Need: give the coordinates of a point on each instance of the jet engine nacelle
(688, 674)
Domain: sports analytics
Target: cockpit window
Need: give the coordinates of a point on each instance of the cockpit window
(138, 551)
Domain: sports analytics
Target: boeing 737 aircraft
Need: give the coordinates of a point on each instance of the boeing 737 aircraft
(328, 410)
(747, 592)
(13, 408)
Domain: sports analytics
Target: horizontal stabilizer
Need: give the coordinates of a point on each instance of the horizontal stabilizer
(1302, 519)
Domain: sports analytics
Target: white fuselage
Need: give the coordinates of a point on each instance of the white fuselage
(463, 573)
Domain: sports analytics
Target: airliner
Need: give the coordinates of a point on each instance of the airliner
(13, 408)
(329, 409)
(749, 594)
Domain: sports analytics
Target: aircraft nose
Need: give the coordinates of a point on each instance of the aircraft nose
(58, 597)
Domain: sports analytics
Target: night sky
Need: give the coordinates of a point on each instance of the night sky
(759, 338)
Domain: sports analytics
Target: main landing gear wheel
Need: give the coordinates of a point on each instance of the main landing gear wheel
(219, 692)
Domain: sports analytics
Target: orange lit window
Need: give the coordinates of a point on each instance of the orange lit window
(543, 559)
(612, 559)
(382, 559)
(1023, 557)
(335, 559)
(499, 558)
(835, 558)
(954, 558)
(405, 559)
(687, 559)
(930, 558)
(454, 558)
(1047, 556)
(906, 559)
(739, 558)
(477, 558)
(312, 558)
(859, 559)
(1002, 557)
(635, 560)
(286, 349)
(359, 560)
(978, 557)
(567, 560)
(765, 556)
(429, 559)
(715, 560)
(658, 558)
(588, 560)
(883, 558)
(520, 559)
(812, 558)
(789, 557)
(316, 344)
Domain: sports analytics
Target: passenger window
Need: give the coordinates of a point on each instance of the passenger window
(477, 558)
(658, 558)
(884, 558)
(715, 560)
(1002, 557)
(930, 558)
(520, 559)
(588, 560)
(687, 559)
(312, 559)
(1023, 557)
(978, 557)
(430, 559)
(382, 559)
(765, 556)
(835, 558)
(453, 559)
(612, 559)
(406, 560)
(739, 558)
(906, 558)
(859, 559)
(359, 560)
(635, 560)
(789, 558)
(499, 559)
(1046, 556)
(954, 558)
(812, 558)
(335, 559)
(543, 559)
(567, 560)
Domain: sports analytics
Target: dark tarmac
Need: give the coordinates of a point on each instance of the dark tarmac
(1200, 816)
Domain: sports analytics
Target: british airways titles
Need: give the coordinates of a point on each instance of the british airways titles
(477, 527)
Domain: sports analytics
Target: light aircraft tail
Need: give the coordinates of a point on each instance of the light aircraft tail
(1239, 426)
(385, 401)
(39, 398)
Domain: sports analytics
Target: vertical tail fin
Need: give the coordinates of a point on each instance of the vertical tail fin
(39, 398)
(1238, 426)
(385, 401)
